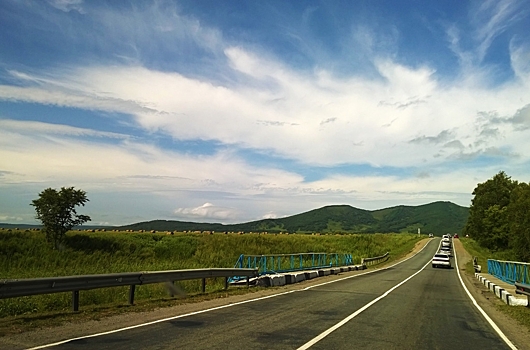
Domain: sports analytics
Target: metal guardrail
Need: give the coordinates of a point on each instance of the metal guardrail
(375, 260)
(275, 263)
(510, 271)
(49, 285)
(521, 288)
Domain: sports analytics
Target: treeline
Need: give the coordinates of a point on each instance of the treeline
(499, 216)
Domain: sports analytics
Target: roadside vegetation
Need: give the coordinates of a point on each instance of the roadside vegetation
(25, 254)
(499, 217)
(499, 228)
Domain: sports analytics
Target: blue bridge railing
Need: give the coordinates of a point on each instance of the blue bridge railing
(276, 263)
(510, 271)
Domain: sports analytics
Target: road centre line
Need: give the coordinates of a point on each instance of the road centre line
(356, 313)
(216, 308)
(365, 273)
(483, 313)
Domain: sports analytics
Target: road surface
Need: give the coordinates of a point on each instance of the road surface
(407, 306)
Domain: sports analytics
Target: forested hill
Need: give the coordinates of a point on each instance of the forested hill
(438, 218)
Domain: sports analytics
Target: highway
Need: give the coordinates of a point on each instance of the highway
(408, 306)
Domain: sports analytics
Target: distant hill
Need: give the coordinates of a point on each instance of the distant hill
(438, 218)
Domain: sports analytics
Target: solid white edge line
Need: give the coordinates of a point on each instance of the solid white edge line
(215, 308)
(353, 315)
(490, 321)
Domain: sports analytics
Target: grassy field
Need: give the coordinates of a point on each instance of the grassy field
(25, 254)
(521, 314)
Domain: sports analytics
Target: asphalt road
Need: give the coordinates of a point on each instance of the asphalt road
(429, 311)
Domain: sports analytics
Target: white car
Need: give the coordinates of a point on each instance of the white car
(441, 260)
(446, 250)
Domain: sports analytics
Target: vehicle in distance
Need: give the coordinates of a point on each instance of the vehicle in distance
(431, 235)
(455, 236)
(441, 260)
(446, 250)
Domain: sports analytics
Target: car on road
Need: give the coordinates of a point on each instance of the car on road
(446, 250)
(441, 260)
(455, 236)
(431, 235)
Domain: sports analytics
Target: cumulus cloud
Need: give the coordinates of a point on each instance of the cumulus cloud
(245, 100)
(242, 117)
(521, 118)
(7, 218)
(207, 211)
(443, 136)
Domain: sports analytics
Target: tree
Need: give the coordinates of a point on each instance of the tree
(488, 219)
(519, 218)
(56, 210)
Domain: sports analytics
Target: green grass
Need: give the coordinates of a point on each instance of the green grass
(25, 254)
(483, 254)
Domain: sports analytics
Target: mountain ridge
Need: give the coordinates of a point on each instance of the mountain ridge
(437, 217)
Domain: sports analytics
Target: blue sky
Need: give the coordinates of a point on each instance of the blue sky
(232, 111)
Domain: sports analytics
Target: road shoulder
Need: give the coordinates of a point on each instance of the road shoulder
(517, 333)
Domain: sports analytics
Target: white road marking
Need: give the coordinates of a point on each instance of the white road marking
(490, 321)
(365, 273)
(356, 313)
(216, 308)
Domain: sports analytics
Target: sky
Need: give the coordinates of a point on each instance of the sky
(234, 111)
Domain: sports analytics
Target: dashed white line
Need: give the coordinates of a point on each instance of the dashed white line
(356, 313)
(215, 308)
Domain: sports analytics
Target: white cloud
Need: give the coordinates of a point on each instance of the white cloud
(372, 120)
(492, 18)
(40, 128)
(208, 211)
(397, 116)
(7, 218)
(67, 5)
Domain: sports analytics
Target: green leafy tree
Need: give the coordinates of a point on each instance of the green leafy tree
(488, 220)
(57, 212)
(519, 218)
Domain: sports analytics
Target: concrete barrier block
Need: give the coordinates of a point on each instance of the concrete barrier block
(344, 269)
(311, 274)
(289, 278)
(265, 281)
(277, 280)
(299, 277)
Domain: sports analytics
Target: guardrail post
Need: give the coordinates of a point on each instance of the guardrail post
(131, 294)
(75, 300)
(248, 281)
(226, 282)
(203, 285)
